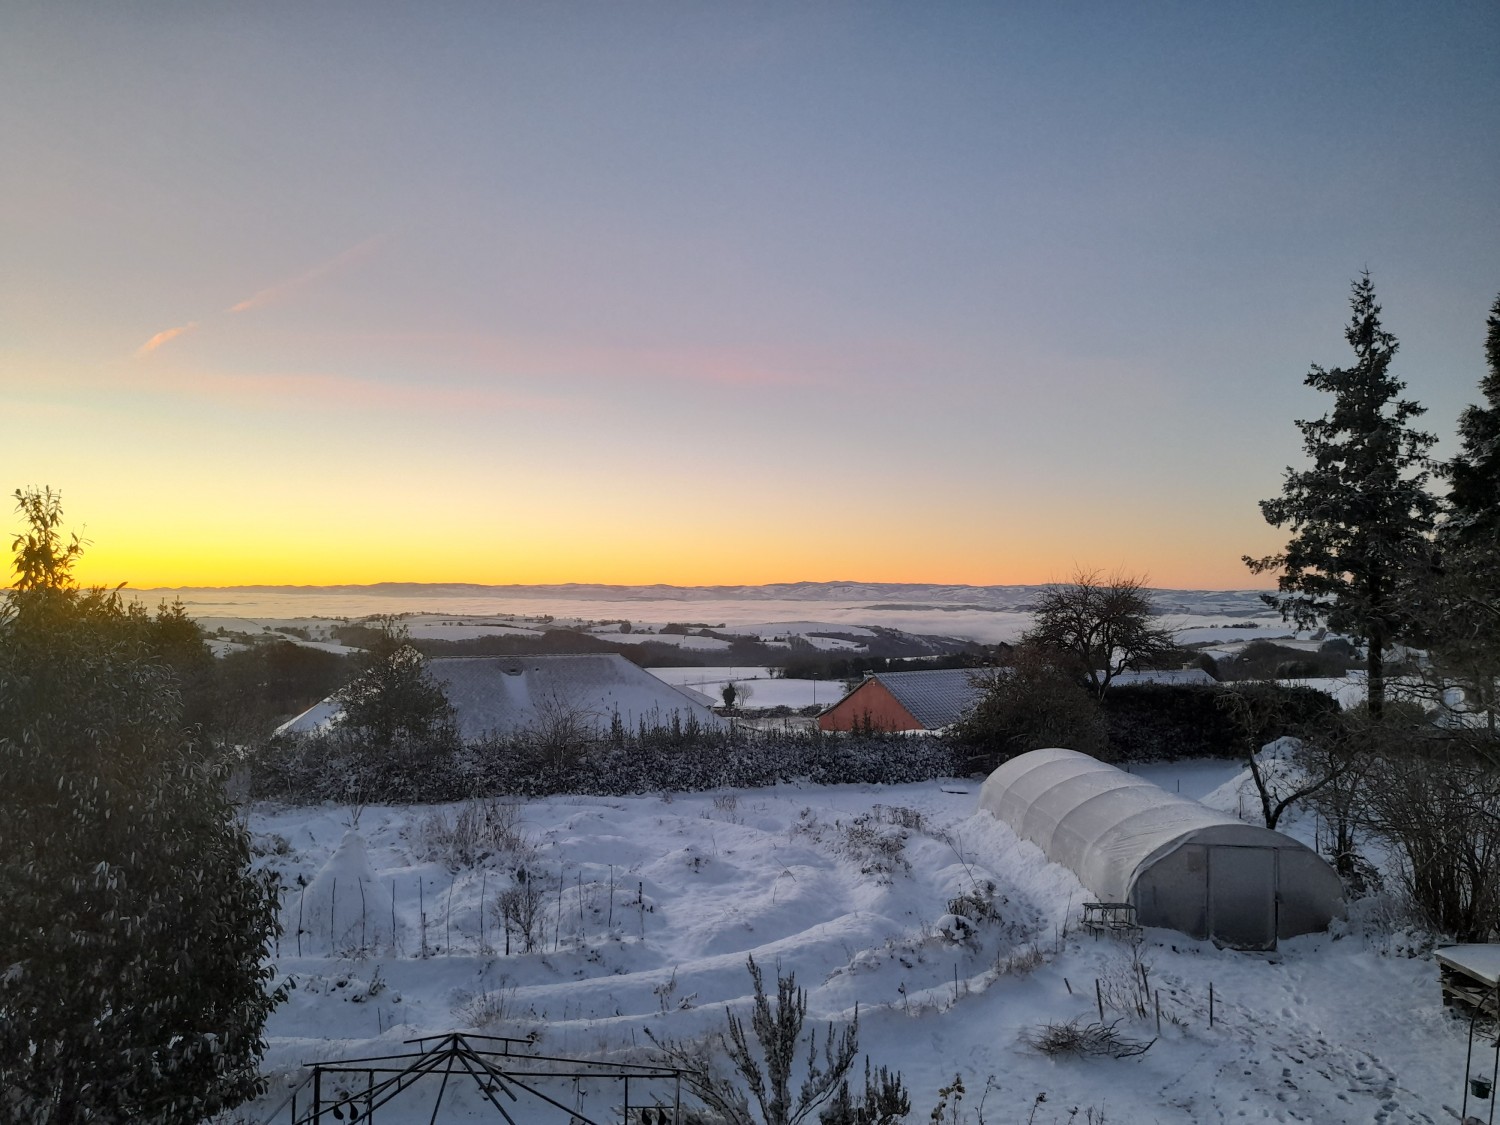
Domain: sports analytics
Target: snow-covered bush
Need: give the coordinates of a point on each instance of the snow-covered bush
(334, 767)
(519, 909)
(767, 1082)
(482, 827)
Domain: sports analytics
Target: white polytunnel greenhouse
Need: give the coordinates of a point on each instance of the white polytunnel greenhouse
(1182, 865)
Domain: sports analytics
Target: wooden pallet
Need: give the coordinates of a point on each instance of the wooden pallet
(1466, 976)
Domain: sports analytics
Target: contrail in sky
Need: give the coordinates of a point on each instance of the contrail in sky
(273, 293)
(163, 337)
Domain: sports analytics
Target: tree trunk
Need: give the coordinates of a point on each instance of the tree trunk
(1375, 684)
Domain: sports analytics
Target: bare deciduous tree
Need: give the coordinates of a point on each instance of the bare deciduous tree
(1103, 624)
(1029, 703)
(1322, 757)
(1439, 806)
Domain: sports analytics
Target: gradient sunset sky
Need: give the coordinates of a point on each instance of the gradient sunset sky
(720, 292)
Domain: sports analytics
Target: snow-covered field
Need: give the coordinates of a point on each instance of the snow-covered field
(651, 905)
(758, 688)
(981, 613)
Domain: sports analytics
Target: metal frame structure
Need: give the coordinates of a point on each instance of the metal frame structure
(1114, 918)
(508, 1079)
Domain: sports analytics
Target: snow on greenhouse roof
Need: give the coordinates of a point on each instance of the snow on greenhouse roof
(1105, 824)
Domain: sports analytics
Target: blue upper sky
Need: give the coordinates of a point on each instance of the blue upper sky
(719, 293)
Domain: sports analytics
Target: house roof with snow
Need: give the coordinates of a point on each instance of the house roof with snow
(927, 699)
(936, 697)
(502, 695)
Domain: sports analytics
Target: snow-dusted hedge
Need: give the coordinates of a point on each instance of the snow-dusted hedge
(335, 767)
(1170, 722)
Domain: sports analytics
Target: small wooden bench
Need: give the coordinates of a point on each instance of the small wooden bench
(1114, 918)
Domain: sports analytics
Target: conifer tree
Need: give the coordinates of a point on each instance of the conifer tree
(1473, 517)
(392, 702)
(1361, 514)
(1460, 597)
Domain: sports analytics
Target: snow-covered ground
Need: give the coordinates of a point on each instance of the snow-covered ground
(763, 689)
(651, 905)
(982, 613)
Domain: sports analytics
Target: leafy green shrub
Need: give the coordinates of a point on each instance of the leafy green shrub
(133, 932)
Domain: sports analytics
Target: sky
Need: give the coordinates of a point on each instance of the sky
(719, 293)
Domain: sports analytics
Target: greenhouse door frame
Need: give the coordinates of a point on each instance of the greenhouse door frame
(1250, 878)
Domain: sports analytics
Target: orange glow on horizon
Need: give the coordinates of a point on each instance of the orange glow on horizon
(150, 570)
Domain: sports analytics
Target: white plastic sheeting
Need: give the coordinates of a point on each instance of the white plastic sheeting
(1183, 865)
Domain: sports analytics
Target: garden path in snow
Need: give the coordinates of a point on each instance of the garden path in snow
(649, 906)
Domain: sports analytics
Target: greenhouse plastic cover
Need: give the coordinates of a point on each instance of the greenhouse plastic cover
(1103, 823)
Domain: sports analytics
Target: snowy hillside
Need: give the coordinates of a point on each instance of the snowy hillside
(650, 906)
(980, 613)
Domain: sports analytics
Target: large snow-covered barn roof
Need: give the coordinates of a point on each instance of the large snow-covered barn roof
(505, 694)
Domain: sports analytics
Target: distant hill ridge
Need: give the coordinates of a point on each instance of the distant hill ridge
(882, 595)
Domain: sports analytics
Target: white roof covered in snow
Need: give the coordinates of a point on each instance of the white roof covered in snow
(506, 694)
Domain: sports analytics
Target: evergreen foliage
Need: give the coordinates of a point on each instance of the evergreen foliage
(617, 761)
(1167, 722)
(1459, 600)
(133, 935)
(393, 702)
(1473, 515)
(1361, 514)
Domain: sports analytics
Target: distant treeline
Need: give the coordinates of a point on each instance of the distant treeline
(887, 649)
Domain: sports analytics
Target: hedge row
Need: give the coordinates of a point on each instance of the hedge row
(1172, 721)
(337, 768)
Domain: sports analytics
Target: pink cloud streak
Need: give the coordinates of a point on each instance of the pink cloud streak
(165, 336)
(273, 293)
